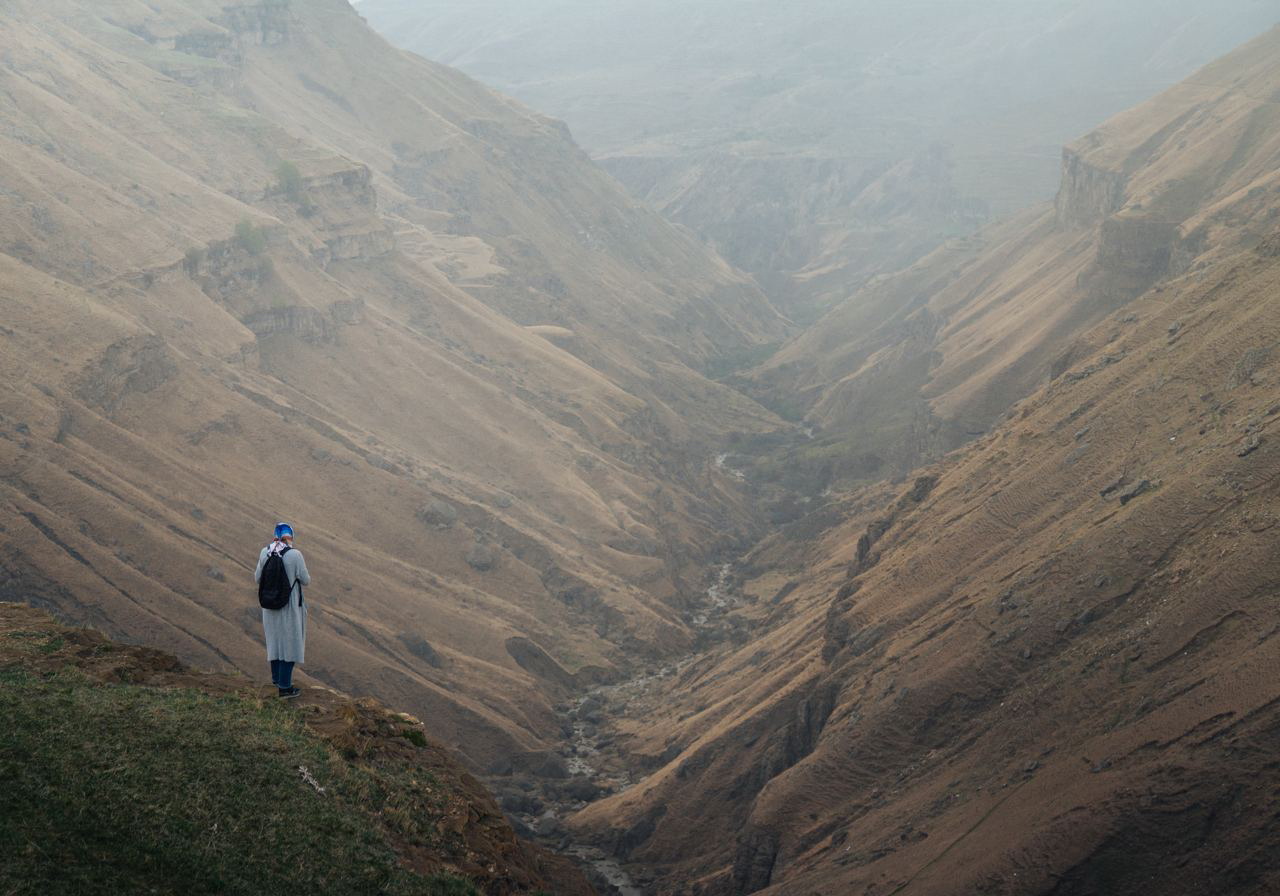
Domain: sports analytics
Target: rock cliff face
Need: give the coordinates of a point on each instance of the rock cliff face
(1034, 670)
(1134, 252)
(1087, 194)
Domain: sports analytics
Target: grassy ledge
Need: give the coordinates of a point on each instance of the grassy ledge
(124, 771)
(114, 789)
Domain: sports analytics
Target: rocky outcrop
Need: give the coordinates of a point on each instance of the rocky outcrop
(240, 274)
(1088, 193)
(537, 662)
(307, 323)
(229, 270)
(131, 366)
(266, 24)
(463, 829)
(1134, 251)
(341, 205)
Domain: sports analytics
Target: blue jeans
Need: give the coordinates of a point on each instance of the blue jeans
(282, 674)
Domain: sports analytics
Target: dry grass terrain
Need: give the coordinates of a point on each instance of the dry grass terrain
(258, 264)
(1010, 634)
(1042, 666)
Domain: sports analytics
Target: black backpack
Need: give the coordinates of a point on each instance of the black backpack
(274, 587)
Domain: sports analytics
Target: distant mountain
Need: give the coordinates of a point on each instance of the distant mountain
(819, 144)
(1037, 666)
(258, 264)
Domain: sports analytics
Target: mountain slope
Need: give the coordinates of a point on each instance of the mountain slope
(915, 363)
(260, 265)
(1039, 669)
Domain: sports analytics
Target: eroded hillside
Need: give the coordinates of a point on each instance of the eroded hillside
(1041, 665)
(919, 361)
(257, 264)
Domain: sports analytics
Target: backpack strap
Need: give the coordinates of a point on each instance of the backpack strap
(296, 583)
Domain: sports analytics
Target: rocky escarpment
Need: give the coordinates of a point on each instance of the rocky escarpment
(336, 200)
(211, 53)
(1134, 252)
(1088, 193)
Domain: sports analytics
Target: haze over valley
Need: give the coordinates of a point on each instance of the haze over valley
(819, 145)
(739, 448)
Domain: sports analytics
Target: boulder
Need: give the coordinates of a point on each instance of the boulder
(438, 514)
(482, 557)
(581, 788)
(548, 825)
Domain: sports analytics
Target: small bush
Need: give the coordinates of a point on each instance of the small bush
(290, 180)
(251, 238)
(192, 261)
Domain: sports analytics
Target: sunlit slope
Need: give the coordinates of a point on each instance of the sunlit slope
(257, 265)
(1040, 667)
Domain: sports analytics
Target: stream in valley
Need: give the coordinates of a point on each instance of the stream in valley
(595, 767)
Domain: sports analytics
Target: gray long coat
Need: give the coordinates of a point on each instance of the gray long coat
(286, 628)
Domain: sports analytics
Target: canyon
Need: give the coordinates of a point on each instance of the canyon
(964, 586)
(246, 279)
(1035, 665)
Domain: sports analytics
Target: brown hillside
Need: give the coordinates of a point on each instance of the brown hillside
(257, 264)
(1043, 668)
(915, 363)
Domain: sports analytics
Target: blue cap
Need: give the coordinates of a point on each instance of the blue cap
(283, 529)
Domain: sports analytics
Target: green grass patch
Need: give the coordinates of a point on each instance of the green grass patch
(52, 645)
(122, 789)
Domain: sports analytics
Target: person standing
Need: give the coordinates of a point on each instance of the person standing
(280, 575)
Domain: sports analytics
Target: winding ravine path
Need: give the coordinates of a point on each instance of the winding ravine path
(583, 748)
